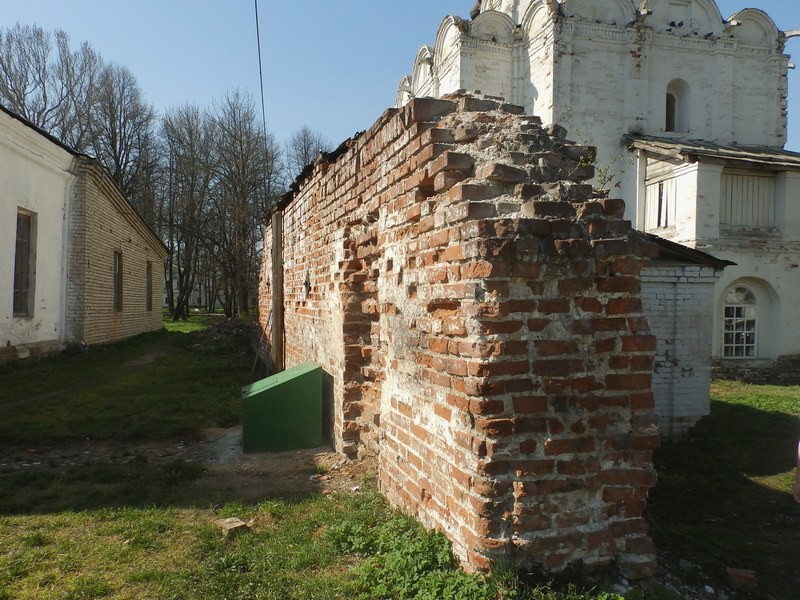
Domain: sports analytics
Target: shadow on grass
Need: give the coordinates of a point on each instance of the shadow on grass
(722, 499)
(176, 484)
(152, 387)
(129, 404)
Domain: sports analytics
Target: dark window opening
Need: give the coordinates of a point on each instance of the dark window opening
(24, 266)
(117, 281)
(672, 107)
(149, 287)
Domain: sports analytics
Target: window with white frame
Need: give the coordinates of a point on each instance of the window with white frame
(661, 199)
(740, 327)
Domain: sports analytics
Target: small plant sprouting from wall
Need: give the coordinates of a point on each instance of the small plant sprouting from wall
(609, 174)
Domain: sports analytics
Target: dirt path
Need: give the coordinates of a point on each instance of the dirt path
(248, 477)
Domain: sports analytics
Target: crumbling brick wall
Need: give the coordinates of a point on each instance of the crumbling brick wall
(478, 313)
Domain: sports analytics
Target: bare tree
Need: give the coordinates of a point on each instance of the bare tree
(25, 82)
(47, 83)
(247, 178)
(190, 139)
(122, 126)
(78, 71)
(90, 106)
(302, 149)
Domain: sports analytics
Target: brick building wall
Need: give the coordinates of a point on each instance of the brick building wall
(478, 314)
(103, 222)
(676, 298)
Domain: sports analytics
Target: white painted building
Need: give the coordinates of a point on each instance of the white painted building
(36, 180)
(77, 263)
(687, 110)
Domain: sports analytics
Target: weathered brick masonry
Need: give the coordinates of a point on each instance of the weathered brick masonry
(478, 313)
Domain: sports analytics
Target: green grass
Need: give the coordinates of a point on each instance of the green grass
(104, 529)
(723, 498)
(192, 380)
(327, 547)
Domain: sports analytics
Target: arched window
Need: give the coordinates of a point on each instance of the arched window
(672, 106)
(677, 117)
(740, 328)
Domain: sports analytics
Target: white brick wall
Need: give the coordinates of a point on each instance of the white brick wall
(676, 299)
(103, 223)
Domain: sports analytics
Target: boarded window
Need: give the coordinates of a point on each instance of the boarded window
(149, 287)
(660, 204)
(740, 325)
(118, 281)
(24, 265)
(748, 199)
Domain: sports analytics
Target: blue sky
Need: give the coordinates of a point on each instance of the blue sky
(333, 66)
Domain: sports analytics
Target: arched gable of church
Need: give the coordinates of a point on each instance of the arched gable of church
(515, 9)
(756, 27)
(403, 91)
(701, 17)
(448, 38)
(611, 12)
(422, 79)
(494, 26)
(538, 15)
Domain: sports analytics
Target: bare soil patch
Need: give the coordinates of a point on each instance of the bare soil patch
(228, 473)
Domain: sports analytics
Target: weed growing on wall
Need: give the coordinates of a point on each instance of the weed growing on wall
(608, 174)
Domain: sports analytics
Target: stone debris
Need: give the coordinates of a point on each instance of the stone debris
(742, 579)
(233, 526)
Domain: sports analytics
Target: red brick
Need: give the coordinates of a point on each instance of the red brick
(554, 305)
(642, 363)
(526, 269)
(452, 253)
(438, 345)
(530, 404)
(531, 425)
(427, 109)
(495, 369)
(486, 407)
(638, 343)
(623, 306)
(613, 207)
(458, 402)
(572, 287)
(628, 382)
(627, 266)
(495, 427)
(605, 345)
(501, 173)
(642, 401)
(495, 327)
(569, 446)
(558, 367)
(619, 284)
(538, 468)
(555, 347)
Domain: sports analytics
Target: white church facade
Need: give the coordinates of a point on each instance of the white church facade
(688, 111)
